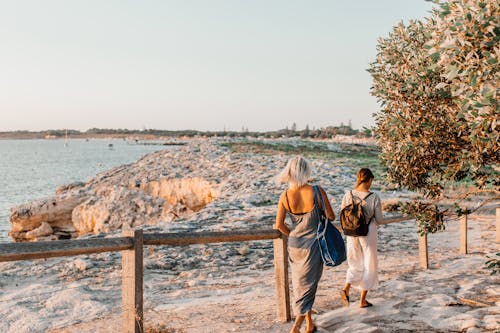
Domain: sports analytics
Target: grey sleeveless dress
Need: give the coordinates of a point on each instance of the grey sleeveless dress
(305, 258)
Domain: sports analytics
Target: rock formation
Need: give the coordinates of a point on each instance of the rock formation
(202, 184)
(151, 190)
(48, 218)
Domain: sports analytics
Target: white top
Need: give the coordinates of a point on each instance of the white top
(371, 207)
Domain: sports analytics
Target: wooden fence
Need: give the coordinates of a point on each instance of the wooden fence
(423, 251)
(131, 246)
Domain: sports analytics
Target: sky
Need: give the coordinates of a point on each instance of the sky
(186, 64)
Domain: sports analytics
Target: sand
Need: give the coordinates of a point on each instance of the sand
(230, 287)
(76, 295)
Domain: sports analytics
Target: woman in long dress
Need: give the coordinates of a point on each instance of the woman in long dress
(362, 272)
(298, 202)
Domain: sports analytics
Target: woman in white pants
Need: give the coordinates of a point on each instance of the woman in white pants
(362, 272)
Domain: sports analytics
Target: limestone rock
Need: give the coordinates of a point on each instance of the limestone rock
(193, 193)
(55, 211)
(43, 230)
(116, 208)
(67, 187)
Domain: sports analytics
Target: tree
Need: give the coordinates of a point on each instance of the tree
(306, 133)
(430, 127)
(437, 83)
(414, 123)
(466, 44)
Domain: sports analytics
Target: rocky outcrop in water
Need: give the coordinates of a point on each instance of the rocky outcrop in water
(48, 218)
(163, 186)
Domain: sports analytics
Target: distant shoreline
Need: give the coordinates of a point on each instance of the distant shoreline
(154, 134)
(36, 136)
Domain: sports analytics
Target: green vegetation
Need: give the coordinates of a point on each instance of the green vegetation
(344, 154)
(437, 81)
(438, 85)
(493, 264)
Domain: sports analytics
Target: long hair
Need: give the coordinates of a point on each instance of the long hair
(364, 175)
(296, 173)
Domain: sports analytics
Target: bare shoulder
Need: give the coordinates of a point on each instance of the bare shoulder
(282, 197)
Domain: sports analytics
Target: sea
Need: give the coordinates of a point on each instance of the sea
(34, 169)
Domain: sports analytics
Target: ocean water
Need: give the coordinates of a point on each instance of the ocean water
(34, 169)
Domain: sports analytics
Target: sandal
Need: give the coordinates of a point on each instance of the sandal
(368, 304)
(344, 297)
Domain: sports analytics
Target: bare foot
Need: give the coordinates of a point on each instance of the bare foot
(365, 304)
(344, 296)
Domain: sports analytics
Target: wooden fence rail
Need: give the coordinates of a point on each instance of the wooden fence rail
(61, 248)
(131, 246)
(177, 239)
(132, 243)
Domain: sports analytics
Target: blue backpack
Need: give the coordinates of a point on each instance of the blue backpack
(331, 243)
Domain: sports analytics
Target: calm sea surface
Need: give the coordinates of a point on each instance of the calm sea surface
(33, 169)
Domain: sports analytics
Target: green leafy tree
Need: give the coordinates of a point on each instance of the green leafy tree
(437, 83)
(465, 42)
(415, 125)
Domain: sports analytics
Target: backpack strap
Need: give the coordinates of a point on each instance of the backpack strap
(370, 220)
(352, 196)
(369, 193)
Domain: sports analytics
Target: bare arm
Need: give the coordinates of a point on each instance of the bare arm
(280, 218)
(328, 209)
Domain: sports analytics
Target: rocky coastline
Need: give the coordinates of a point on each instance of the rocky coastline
(168, 186)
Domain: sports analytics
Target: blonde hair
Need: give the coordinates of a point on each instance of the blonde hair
(364, 175)
(296, 172)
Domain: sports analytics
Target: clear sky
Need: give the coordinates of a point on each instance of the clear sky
(206, 64)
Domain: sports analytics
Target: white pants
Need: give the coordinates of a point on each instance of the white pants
(362, 260)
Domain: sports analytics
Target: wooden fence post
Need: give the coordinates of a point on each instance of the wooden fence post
(463, 234)
(423, 253)
(498, 225)
(132, 285)
(281, 278)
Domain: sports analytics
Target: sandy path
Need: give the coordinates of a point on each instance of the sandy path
(408, 299)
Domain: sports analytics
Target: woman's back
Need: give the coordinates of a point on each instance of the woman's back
(304, 217)
(299, 200)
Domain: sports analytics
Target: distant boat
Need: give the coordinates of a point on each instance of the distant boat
(110, 146)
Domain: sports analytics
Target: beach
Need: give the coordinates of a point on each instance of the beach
(229, 287)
